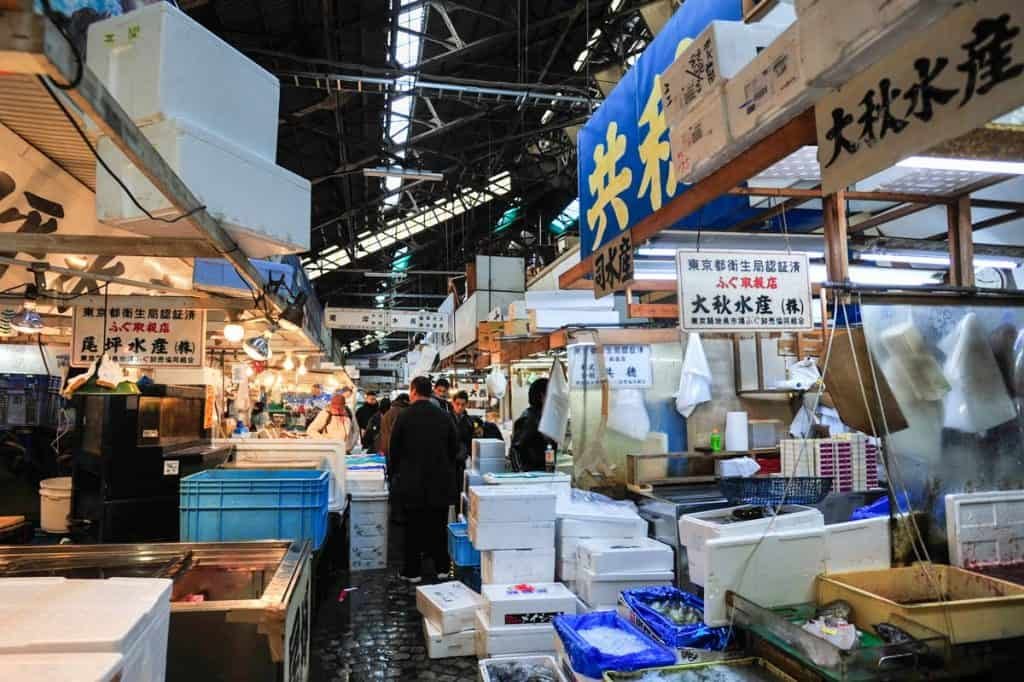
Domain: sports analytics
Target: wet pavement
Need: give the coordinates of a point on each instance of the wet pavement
(375, 633)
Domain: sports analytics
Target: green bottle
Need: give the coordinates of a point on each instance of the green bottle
(716, 441)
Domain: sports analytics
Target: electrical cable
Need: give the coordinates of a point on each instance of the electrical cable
(108, 169)
(58, 23)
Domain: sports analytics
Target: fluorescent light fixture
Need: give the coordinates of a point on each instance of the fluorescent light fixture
(943, 261)
(862, 274)
(665, 252)
(403, 173)
(971, 165)
(662, 276)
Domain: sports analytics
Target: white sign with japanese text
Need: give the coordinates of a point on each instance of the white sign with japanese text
(146, 335)
(956, 76)
(743, 291)
(374, 319)
(626, 366)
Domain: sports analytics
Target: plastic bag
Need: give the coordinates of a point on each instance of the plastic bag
(628, 414)
(582, 503)
(587, 659)
(978, 399)
(496, 383)
(880, 507)
(109, 374)
(693, 635)
(695, 379)
(554, 418)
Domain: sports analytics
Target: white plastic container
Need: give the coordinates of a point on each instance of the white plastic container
(527, 535)
(54, 504)
(161, 64)
(487, 448)
(125, 616)
(695, 530)
(511, 504)
(614, 555)
(509, 640)
(985, 528)
(518, 566)
(446, 646)
(278, 452)
(526, 604)
(365, 481)
(451, 607)
(61, 667)
(546, 661)
(264, 207)
(602, 591)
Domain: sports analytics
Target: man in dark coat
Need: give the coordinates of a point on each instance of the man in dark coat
(423, 450)
(367, 410)
(528, 443)
(465, 429)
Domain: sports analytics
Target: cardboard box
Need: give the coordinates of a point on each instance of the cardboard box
(702, 141)
(518, 566)
(717, 54)
(450, 607)
(487, 336)
(446, 646)
(603, 555)
(511, 503)
(517, 327)
(528, 535)
(839, 38)
(526, 604)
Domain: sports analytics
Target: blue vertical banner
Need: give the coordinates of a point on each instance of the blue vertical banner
(625, 170)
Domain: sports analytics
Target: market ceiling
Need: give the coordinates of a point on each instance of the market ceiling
(485, 92)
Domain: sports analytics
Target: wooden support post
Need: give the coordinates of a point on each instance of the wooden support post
(837, 257)
(961, 242)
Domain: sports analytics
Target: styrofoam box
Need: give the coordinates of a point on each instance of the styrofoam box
(264, 207)
(507, 604)
(615, 555)
(526, 535)
(126, 616)
(490, 466)
(559, 483)
(365, 481)
(858, 545)
(604, 589)
(632, 526)
(985, 528)
(771, 570)
(512, 639)
(450, 606)
(280, 451)
(487, 448)
(839, 39)
(374, 555)
(373, 564)
(61, 667)
(445, 646)
(518, 565)
(567, 570)
(695, 530)
(470, 478)
(160, 64)
(548, 662)
(511, 503)
(768, 91)
(716, 55)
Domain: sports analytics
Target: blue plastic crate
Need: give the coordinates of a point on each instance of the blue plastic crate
(460, 549)
(225, 504)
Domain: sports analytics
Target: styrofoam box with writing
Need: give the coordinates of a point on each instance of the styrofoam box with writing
(511, 504)
(450, 606)
(518, 565)
(517, 604)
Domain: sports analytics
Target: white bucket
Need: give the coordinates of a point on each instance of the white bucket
(54, 504)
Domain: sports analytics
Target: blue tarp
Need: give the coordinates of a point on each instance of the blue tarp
(588, 660)
(694, 636)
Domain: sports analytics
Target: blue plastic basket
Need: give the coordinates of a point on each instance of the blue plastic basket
(225, 504)
(460, 549)
(775, 490)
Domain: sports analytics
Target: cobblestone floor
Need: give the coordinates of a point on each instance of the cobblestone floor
(376, 632)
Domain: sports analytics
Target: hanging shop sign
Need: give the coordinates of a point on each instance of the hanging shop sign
(730, 291)
(374, 319)
(375, 363)
(958, 75)
(626, 366)
(151, 335)
(613, 266)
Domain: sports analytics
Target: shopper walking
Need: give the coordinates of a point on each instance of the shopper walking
(528, 443)
(366, 411)
(422, 453)
(441, 387)
(371, 434)
(335, 423)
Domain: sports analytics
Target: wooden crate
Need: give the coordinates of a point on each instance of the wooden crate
(488, 335)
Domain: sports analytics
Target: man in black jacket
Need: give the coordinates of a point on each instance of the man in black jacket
(423, 449)
(528, 443)
(367, 410)
(465, 429)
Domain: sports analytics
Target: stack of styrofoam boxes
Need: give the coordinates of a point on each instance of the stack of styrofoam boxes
(693, 92)
(366, 480)
(516, 619)
(212, 114)
(548, 310)
(368, 531)
(839, 38)
(470, 478)
(851, 462)
(117, 624)
(579, 519)
(606, 567)
(487, 456)
(449, 618)
(511, 517)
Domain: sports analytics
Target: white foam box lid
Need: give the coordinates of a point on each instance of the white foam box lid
(57, 615)
(511, 503)
(264, 207)
(518, 565)
(503, 604)
(546, 661)
(159, 64)
(512, 639)
(487, 448)
(449, 606)
(604, 589)
(524, 535)
(370, 480)
(716, 55)
(695, 530)
(616, 555)
(440, 645)
(985, 528)
(839, 38)
(60, 667)
(631, 526)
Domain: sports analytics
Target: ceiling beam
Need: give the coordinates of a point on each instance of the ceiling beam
(107, 246)
(886, 216)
